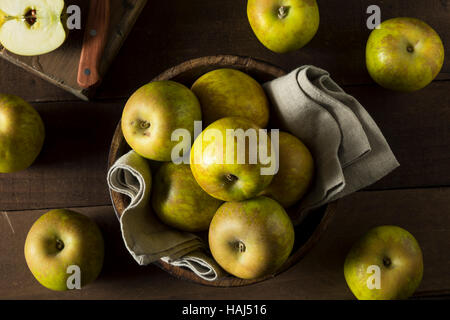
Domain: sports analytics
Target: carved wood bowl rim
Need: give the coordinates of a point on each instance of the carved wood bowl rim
(193, 69)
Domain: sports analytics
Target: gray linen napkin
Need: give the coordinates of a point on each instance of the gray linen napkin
(348, 148)
(145, 237)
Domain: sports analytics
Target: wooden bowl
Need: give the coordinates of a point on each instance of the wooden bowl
(307, 232)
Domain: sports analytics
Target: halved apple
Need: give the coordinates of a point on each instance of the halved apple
(31, 27)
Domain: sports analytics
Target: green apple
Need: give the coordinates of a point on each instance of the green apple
(252, 238)
(32, 27)
(283, 25)
(404, 54)
(22, 134)
(223, 176)
(397, 255)
(231, 93)
(153, 113)
(60, 239)
(295, 174)
(179, 201)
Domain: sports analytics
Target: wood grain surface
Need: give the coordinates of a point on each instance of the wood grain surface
(318, 276)
(70, 172)
(170, 32)
(71, 169)
(79, 134)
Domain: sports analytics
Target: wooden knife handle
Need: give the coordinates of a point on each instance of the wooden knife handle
(95, 38)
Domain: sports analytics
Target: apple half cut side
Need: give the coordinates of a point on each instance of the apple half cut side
(31, 27)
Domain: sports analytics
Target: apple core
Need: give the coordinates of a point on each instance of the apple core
(30, 16)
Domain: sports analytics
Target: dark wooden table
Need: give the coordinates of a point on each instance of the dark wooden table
(70, 172)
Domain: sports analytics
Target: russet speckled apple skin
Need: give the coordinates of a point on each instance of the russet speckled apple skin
(153, 113)
(22, 134)
(295, 173)
(404, 54)
(283, 25)
(252, 238)
(179, 201)
(212, 172)
(231, 93)
(398, 255)
(81, 244)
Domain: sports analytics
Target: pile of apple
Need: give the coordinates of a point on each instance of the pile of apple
(250, 233)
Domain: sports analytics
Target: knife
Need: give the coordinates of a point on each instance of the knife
(94, 42)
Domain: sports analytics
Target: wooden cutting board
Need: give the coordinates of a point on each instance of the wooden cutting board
(60, 67)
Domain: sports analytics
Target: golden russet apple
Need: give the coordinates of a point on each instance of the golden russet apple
(404, 54)
(222, 176)
(179, 201)
(398, 256)
(251, 238)
(283, 25)
(22, 134)
(295, 173)
(61, 239)
(231, 93)
(153, 113)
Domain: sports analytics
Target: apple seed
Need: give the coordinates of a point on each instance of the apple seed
(30, 17)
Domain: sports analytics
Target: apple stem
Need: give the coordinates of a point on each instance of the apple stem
(231, 177)
(241, 246)
(387, 262)
(59, 244)
(282, 12)
(145, 125)
(410, 49)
